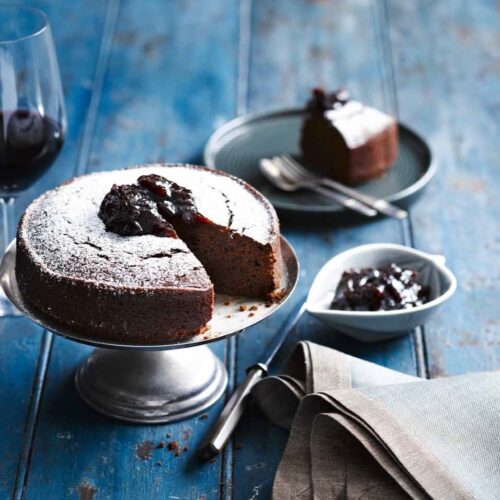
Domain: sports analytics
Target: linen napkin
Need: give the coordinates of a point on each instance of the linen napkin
(359, 430)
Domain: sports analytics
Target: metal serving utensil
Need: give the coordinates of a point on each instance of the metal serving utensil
(233, 411)
(276, 173)
(299, 173)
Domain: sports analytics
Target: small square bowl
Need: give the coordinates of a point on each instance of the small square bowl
(373, 326)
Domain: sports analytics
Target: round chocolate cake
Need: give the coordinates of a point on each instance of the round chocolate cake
(135, 255)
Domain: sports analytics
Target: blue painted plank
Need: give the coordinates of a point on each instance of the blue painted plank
(448, 87)
(19, 346)
(77, 452)
(290, 51)
(162, 94)
(22, 353)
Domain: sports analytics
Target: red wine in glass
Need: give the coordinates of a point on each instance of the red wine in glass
(29, 143)
(32, 116)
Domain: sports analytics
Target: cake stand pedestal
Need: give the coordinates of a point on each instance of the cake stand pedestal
(151, 386)
(155, 383)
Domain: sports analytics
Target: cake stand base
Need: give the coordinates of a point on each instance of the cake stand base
(151, 386)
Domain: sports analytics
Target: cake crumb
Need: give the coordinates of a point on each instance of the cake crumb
(269, 304)
(251, 314)
(253, 308)
(173, 446)
(227, 302)
(243, 307)
(228, 316)
(161, 444)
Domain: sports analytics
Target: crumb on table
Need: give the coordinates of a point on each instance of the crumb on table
(174, 447)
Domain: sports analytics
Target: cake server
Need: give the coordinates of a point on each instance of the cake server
(299, 173)
(231, 414)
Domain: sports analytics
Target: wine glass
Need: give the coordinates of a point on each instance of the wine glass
(32, 116)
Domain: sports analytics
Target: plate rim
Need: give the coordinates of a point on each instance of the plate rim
(235, 123)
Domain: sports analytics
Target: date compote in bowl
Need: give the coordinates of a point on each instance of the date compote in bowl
(433, 276)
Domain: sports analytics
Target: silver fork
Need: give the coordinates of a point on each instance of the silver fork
(301, 174)
(275, 171)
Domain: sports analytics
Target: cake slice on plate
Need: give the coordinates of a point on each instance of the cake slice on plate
(345, 140)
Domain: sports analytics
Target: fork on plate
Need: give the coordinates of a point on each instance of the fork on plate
(287, 174)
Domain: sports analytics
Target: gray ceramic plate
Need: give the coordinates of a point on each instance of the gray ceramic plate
(237, 147)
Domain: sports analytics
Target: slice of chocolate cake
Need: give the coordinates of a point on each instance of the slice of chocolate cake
(240, 247)
(346, 140)
(133, 255)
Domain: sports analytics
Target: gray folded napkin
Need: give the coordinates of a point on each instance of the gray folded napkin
(359, 430)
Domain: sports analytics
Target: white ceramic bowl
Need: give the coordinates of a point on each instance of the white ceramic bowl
(380, 325)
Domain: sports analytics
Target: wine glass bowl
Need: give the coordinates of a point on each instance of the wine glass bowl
(32, 117)
(32, 114)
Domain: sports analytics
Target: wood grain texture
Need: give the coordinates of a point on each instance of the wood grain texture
(158, 97)
(23, 355)
(447, 67)
(149, 81)
(20, 344)
(291, 51)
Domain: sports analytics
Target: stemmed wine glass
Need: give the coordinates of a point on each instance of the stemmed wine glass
(32, 116)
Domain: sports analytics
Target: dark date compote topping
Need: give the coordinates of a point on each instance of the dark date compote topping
(321, 101)
(129, 210)
(147, 207)
(388, 288)
(173, 200)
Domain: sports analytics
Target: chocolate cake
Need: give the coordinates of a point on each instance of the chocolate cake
(135, 255)
(346, 140)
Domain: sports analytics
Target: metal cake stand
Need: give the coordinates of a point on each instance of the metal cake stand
(156, 383)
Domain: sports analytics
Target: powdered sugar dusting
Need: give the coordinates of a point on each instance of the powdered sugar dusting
(221, 198)
(358, 123)
(67, 238)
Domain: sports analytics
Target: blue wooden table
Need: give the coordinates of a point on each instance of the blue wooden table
(150, 80)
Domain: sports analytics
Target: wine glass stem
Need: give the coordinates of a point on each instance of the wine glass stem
(7, 204)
